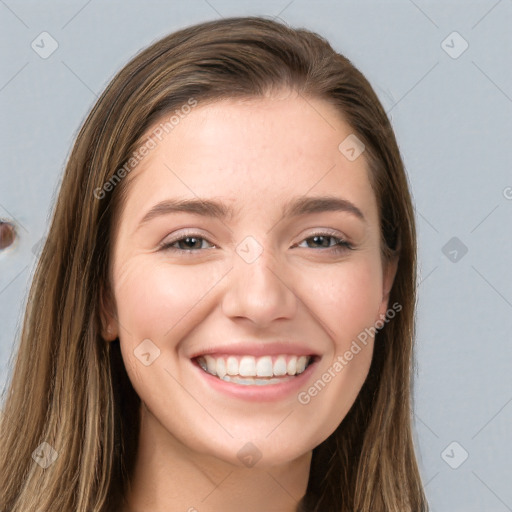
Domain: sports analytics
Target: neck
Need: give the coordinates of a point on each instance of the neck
(172, 477)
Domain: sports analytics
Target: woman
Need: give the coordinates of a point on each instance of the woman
(200, 342)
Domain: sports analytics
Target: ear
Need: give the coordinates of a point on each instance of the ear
(389, 274)
(109, 324)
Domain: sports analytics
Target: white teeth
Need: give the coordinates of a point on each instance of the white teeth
(280, 366)
(301, 364)
(211, 365)
(247, 367)
(253, 381)
(291, 368)
(220, 367)
(250, 366)
(232, 366)
(264, 367)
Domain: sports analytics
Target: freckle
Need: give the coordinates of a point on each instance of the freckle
(7, 234)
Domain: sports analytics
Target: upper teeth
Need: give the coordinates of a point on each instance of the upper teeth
(250, 366)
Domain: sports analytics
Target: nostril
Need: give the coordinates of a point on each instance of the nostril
(7, 234)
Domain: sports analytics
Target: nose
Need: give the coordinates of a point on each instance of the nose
(259, 291)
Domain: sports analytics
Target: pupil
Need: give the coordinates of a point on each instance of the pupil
(189, 240)
(316, 238)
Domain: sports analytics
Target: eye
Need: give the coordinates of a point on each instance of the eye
(322, 238)
(190, 243)
(193, 242)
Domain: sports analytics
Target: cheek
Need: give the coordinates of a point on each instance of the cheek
(346, 300)
(161, 303)
(154, 299)
(345, 297)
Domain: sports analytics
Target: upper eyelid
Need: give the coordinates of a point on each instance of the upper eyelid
(186, 234)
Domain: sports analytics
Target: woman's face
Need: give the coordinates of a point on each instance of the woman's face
(258, 281)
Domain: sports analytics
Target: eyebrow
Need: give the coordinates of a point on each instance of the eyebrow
(296, 207)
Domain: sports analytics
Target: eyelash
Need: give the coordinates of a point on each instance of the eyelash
(339, 247)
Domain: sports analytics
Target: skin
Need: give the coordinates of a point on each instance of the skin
(254, 155)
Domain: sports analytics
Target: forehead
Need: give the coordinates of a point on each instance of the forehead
(251, 151)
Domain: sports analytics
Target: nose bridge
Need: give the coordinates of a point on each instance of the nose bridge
(258, 287)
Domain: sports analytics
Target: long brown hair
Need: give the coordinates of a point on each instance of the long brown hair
(69, 387)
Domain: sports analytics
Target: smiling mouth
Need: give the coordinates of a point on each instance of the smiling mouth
(256, 371)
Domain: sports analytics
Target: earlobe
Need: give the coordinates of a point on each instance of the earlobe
(387, 283)
(109, 331)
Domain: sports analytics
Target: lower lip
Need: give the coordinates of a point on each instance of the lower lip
(265, 393)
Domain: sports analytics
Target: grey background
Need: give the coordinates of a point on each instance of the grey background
(453, 120)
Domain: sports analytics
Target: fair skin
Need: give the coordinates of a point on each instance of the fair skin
(254, 156)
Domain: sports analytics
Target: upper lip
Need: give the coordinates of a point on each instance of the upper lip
(256, 349)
